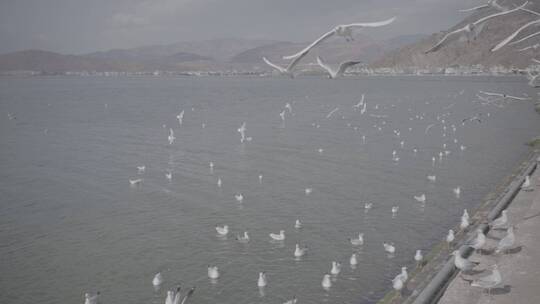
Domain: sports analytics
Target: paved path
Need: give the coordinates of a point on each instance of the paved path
(520, 269)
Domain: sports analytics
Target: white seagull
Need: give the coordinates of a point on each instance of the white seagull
(243, 238)
(490, 3)
(299, 252)
(157, 280)
(336, 268)
(242, 131)
(420, 198)
(507, 241)
(91, 299)
(513, 35)
(326, 282)
(490, 281)
(213, 272)
(141, 169)
(361, 103)
(335, 73)
(288, 71)
(462, 263)
(418, 257)
(501, 222)
(344, 30)
(389, 247)
(222, 230)
(358, 241)
(471, 30)
(134, 182)
(297, 224)
(171, 137)
(180, 117)
(353, 260)
(278, 237)
(261, 282)
(450, 237)
(504, 96)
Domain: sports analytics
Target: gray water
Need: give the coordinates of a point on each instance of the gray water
(70, 222)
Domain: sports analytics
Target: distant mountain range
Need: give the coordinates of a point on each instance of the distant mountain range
(246, 54)
(218, 54)
(476, 52)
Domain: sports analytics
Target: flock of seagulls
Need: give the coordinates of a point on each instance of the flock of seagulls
(343, 30)
(442, 122)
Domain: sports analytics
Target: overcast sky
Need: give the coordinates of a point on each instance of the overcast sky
(79, 26)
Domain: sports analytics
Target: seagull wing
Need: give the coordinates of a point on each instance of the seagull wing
(446, 39)
(295, 61)
(524, 38)
(188, 295)
(491, 94)
(477, 22)
(511, 37)
(328, 68)
(312, 45)
(275, 66)
(474, 8)
(371, 24)
(345, 65)
(518, 98)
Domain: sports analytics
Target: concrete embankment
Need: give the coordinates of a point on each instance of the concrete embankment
(437, 281)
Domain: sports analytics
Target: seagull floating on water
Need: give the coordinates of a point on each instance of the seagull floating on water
(134, 182)
(180, 117)
(358, 241)
(420, 198)
(297, 224)
(213, 272)
(432, 178)
(171, 137)
(353, 260)
(91, 299)
(336, 268)
(141, 169)
(261, 282)
(457, 191)
(239, 197)
(243, 238)
(389, 247)
(326, 282)
(299, 252)
(157, 280)
(223, 231)
(278, 237)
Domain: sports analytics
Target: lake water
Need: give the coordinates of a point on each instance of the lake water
(70, 222)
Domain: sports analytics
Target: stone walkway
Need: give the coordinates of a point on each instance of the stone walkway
(520, 268)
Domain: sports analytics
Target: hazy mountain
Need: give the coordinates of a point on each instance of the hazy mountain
(49, 62)
(334, 51)
(220, 50)
(476, 52)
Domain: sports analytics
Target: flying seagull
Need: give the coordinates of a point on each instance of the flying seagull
(343, 30)
(534, 46)
(471, 30)
(505, 96)
(490, 3)
(334, 73)
(513, 35)
(288, 71)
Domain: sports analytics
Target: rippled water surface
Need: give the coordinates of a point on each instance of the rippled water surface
(70, 222)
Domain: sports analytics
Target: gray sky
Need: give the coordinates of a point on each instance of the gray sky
(79, 26)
